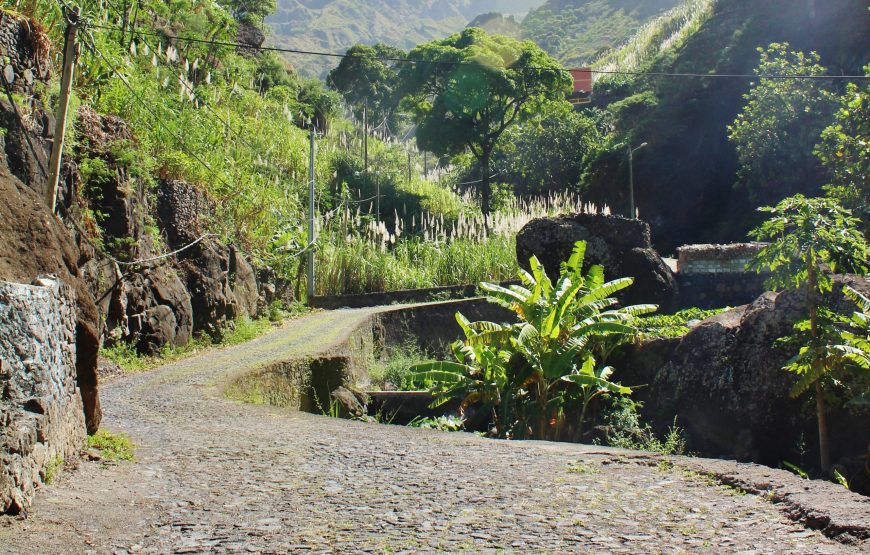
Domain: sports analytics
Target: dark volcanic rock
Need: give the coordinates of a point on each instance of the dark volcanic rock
(251, 36)
(148, 306)
(221, 282)
(34, 242)
(621, 245)
(725, 384)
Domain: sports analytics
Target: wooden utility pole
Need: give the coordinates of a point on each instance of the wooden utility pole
(70, 53)
(366, 135)
(310, 247)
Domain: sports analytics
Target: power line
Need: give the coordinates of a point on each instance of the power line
(474, 64)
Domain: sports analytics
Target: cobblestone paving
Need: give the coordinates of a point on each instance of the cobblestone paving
(216, 476)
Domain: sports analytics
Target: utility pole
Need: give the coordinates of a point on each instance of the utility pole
(310, 246)
(632, 213)
(366, 135)
(70, 53)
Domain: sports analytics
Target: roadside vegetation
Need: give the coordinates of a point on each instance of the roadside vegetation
(112, 447)
(240, 330)
(538, 378)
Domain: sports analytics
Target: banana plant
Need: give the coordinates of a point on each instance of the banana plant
(560, 327)
(479, 375)
(855, 349)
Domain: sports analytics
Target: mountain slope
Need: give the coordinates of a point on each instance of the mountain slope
(336, 25)
(684, 179)
(577, 31)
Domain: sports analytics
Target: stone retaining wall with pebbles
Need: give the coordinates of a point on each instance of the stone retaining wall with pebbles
(40, 405)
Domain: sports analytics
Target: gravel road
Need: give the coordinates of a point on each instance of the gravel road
(217, 476)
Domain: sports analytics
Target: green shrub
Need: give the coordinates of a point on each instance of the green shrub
(392, 369)
(442, 423)
(625, 430)
(673, 325)
(528, 374)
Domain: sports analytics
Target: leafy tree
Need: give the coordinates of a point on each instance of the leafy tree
(253, 11)
(272, 72)
(805, 235)
(845, 151)
(531, 370)
(778, 128)
(369, 75)
(471, 87)
(546, 152)
(320, 103)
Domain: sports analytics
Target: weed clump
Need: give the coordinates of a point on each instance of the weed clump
(112, 446)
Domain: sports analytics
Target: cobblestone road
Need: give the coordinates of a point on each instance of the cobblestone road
(217, 476)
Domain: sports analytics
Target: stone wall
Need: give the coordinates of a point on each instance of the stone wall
(718, 290)
(40, 405)
(715, 276)
(716, 259)
(402, 296)
(24, 52)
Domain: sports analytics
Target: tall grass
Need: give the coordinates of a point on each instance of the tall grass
(357, 254)
(668, 30)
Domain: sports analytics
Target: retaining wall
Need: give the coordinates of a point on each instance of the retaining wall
(716, 259)
(715, 276)
(40, 406)
(304, 383)
(404, 296)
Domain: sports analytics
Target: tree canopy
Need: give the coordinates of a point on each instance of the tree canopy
(845, 151)
(368, 74)
(780, 125)
(473, 86)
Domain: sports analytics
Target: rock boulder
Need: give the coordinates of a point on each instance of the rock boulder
(34, 242)
(621, 245)
(724, 383)
(222, 284)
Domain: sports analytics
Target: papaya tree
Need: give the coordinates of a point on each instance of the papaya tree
(806, 236)
(526, 369)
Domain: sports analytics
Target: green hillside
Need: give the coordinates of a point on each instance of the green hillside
(685, 179)
(336, 25)
(578, 31)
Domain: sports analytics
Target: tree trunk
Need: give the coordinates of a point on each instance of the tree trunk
(824, 449)
(485, 190)
(821, 414)
(542, 410)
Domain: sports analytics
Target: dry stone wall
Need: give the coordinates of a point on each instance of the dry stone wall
(24, 53)
(40, 405)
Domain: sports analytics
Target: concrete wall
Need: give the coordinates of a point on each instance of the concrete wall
(40, 406)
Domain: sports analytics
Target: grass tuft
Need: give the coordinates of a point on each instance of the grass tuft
(112, 446)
